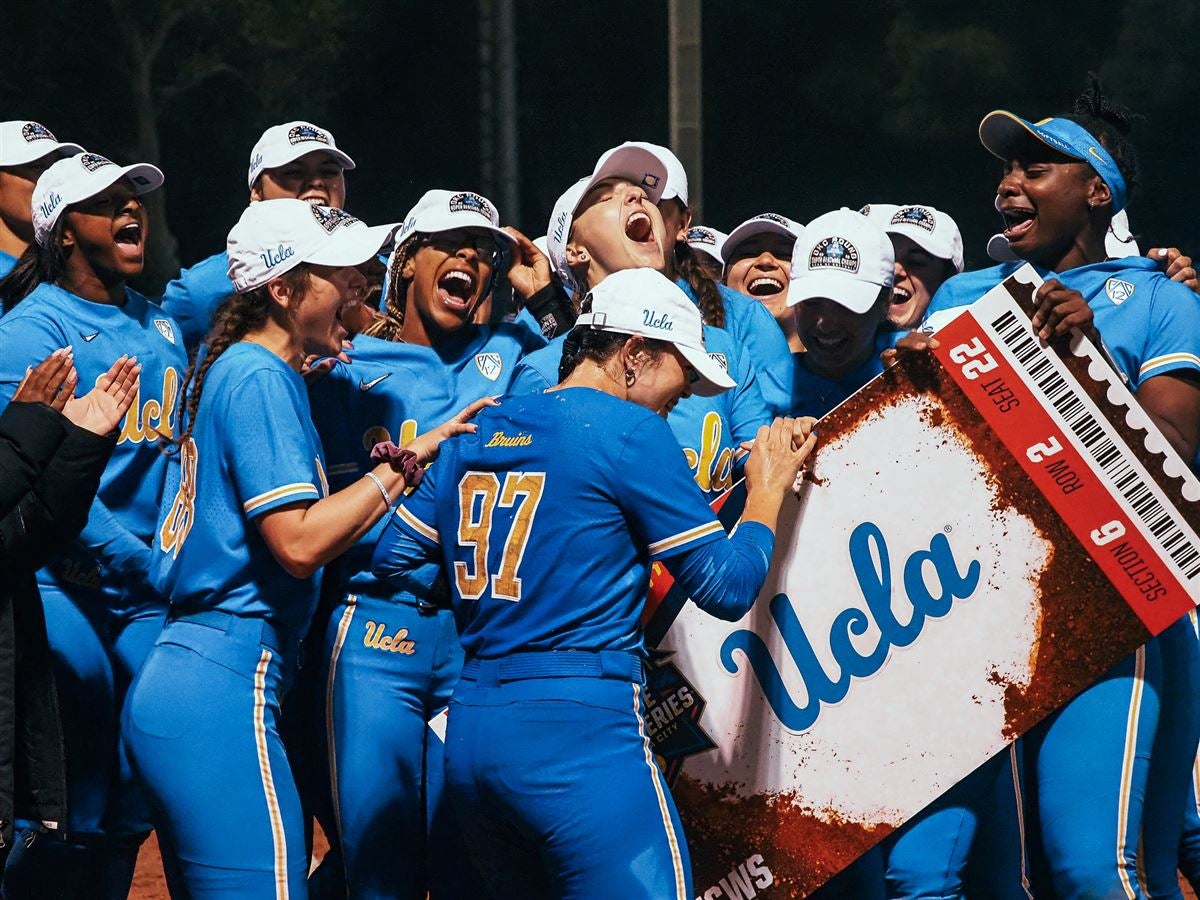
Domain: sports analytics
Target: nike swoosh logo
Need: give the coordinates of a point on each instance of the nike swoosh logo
(367, 385)
(1092, 150)
(89, 337)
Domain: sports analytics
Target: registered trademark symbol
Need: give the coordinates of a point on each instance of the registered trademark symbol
(947, 529)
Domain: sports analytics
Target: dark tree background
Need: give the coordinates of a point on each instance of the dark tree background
(808, 106)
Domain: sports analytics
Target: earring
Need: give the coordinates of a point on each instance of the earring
(583, 257)
(630, 377)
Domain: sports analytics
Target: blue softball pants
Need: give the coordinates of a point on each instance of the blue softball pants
(554, 780)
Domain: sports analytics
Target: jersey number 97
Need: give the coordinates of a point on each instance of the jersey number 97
(478, 495)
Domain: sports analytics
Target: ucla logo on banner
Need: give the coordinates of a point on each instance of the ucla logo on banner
(873, 571)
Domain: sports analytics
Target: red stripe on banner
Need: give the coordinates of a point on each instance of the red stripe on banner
(1084, 501)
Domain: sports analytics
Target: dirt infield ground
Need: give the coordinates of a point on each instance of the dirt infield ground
(148, 882)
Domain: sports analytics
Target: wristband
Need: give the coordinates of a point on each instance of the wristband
(387, 499)
(403, 461)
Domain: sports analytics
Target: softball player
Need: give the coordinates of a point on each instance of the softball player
(547, 755)
(392, 652)
(26, 150)
(247, 521)
(758, 262)
(929, 249)
(1092, 760)
(293, 160)
(657, 172)
(710, 429)
(102, 615)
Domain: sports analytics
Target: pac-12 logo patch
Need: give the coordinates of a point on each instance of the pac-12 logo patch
(35, 131)
(489, 365)
(1118, 291)
(673, 711)
(472, 202)
(165, 329)
(834, 253)
(915, 215)
(306, 132)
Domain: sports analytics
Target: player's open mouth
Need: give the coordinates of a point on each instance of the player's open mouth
(456, 289)
(765, 287)
(640, 228)
(900, 296)
(129, 239)
(1017, 221)
(316, 199)
(827, 342)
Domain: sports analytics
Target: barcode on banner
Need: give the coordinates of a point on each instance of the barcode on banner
(1157, 519)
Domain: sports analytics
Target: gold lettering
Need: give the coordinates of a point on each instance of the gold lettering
(149, 421)
(500, 439)
(376, 639)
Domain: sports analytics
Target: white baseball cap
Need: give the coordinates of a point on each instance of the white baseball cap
(763, 223)
(274, 236)
(632, 162)
(842, 256)
(79, 177)
(1119, 242)
(281, 144)
(646, 302)
(438, 211)
(677, 183)
(23, 142)
(707, 240)
(933, 231)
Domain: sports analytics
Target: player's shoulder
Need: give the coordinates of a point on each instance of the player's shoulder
(46, 304)
(247, 366)
(967, 287)
(545, 359)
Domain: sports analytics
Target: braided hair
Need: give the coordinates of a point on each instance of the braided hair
(237, 316)
(1111, 124)
(390, 324)
(690, 268)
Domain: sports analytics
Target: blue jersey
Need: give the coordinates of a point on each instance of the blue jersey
(393, 391)
(709, 429)
(126, 508)
(549, 518)
(7, 261)
(815, 395)
(1150, 324)
(193, 297)
(751, 326)
(254, 449)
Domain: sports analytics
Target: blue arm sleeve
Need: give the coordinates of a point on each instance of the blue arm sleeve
(724, 577)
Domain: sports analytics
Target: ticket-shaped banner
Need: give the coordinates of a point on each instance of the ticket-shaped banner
(983, 532)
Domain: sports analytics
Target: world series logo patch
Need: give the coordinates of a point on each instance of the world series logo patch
(834, 253)
(771, 217)
(1118, 291)
(472, 202)
(915, 215)
(701, 235)
(673, 711)
(34, 131)
(94, 161)
(489, 365)
(301, 133)
(330, 218)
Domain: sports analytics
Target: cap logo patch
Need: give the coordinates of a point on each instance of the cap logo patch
(94, 161)
(302, 133)
(915, 215)
(653, 319)
(650, 180)
(52, 203)
(720, 360)
(866, 210)
(834, 253)
(272, 258)
(701, 235)
(1118, 291)
(32, 131)
(771, 217)
(331, 218)
(471, 202)
(165, 329)
(489, 365)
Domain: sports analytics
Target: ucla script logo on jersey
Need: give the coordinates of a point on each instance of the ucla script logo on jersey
(1118, 290)
(490, 365)
(834, 253)
(154, 418)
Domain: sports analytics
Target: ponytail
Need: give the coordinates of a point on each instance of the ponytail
(237, 316)
(1111, 124)
(704, 288)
